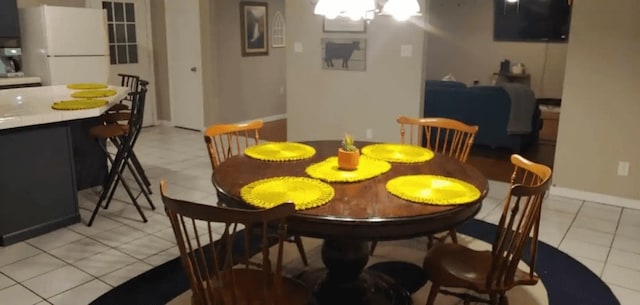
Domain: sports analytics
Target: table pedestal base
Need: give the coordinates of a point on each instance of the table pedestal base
(344, 282)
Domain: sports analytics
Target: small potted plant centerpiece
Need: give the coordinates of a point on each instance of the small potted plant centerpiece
(348, 154)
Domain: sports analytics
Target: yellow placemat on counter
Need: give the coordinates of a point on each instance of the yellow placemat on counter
(280, 151)
(304, 192)
(93, 93)
(328, 170)
(78, 104)
(86, 86)
(431, 189)
(400, 153)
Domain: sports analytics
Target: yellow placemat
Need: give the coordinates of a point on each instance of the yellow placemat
(85, 86)
(93, 93)
(78, 104)
(280, 151)
(400, 153)
(304, 192)
(433, 189)
(328, 170)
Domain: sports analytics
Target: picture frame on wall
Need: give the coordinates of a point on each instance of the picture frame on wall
(344, 25)
(346, 54)
(254, 25)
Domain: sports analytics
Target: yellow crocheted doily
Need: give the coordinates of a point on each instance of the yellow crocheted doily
(85, 86)
(78, 104)
(304, 192)
(280, 151)
(93, 93)
(328, 170)
(400, 153)
(433, 189)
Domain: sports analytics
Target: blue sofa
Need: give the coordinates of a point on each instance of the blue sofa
(485, 106)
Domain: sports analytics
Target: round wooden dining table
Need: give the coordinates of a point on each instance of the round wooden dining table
(358, 213)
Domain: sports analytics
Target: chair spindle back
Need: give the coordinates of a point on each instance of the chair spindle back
(442, 135)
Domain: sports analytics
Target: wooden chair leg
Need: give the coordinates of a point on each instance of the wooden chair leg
(432, 294)
(430, 242)
(373, 247)
(300, 247)
(454, 236)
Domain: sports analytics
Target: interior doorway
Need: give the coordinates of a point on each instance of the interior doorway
(185, 63)
(130, 47)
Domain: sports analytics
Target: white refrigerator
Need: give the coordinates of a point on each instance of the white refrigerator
(63, 45)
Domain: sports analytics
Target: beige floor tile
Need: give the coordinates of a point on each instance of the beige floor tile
(621, 276)
(104, 262)
(31, 267)
(19, 295)
(118, 236)
(81, 295)
(5, 281)
(78, 250)
(146, 246)
(16, 252)
(125, 273)
(55, 239)
(57, 281)
(626, 296)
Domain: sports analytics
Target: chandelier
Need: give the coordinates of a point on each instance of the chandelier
(401, 10)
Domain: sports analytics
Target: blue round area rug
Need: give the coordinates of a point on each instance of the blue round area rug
(566, 280)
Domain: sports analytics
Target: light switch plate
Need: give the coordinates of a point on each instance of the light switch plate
(297, 47)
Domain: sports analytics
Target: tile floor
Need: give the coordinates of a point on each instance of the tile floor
(76, 264)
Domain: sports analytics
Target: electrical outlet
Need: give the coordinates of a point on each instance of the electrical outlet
(623, 168)
(369, 133)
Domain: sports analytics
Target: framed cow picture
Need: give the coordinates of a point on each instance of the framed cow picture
(347, 54)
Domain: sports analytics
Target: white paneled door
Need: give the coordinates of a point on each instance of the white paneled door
(185, 63)
(130, 45)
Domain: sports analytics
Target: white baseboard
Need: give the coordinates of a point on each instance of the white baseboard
(595, 197)
(164, 123)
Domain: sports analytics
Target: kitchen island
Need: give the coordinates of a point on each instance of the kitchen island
(46, 155)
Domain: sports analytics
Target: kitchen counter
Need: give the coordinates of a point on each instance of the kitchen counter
(46, 156)
(32, 106)
(15, 81)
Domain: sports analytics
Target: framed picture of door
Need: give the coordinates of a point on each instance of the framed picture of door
(254, 28)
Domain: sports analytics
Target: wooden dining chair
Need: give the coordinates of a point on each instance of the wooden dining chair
(237, 267)
(226, 140)
(442, 135)
(495, 272)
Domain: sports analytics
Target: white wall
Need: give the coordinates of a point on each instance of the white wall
(245, 87)
(324, 104)
(461, 43)
(601, 100)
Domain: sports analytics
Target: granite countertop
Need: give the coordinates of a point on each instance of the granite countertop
(32, 106)
(7, 81)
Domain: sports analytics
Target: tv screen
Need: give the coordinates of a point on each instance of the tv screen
(531, 20)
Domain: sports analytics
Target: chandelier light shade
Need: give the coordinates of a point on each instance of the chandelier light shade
(401, 10)
(367, 9)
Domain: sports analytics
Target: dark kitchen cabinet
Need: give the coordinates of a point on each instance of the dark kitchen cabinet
(9, 24)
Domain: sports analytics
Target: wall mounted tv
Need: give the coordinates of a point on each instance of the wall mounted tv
(531, 20)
